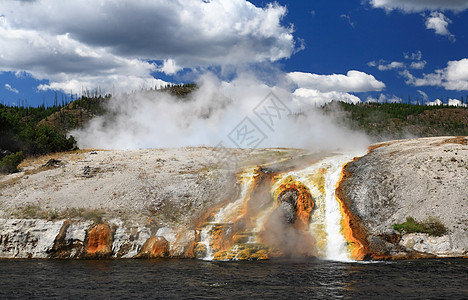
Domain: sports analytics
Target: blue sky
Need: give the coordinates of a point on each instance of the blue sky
(401, 49)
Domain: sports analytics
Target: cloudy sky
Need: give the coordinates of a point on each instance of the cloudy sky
(355, 49)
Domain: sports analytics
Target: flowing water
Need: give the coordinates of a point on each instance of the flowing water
(197, 279)
(251, 227)
(245, 229)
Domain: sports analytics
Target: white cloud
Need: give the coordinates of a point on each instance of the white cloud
(450, 102)
(436, 20)
(453, 77)
(11, 89)
(423, 94)
(317, 98)
(347, 18)
(413, 56)
(456, 75)
(190, 32)
(418, 65)
(169, 67)
(436, 102)
(69, 64)
(382, 65)
(439, 23)
(353, 81)
(384, 99)
(455, 102)
(390, 66)
(109, 42)
(317, 90)
(420, 5)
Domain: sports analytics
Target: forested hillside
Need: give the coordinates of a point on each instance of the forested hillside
(29, 131)
(394, 120)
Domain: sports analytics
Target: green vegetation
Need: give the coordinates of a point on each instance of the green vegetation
(397, 120)
(180, 90)
(29, 212)
(30, 131)
(24, 132)
(9, 163)
(431, 226)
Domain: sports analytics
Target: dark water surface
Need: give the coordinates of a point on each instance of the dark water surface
(194, 279)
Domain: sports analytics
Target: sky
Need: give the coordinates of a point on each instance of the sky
(353, 50)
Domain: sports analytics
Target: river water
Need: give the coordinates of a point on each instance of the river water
(196, 279)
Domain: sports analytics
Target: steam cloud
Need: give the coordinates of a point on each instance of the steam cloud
(150, 119)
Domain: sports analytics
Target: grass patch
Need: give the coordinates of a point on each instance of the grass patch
(36, 212)
(95, 215)
(28, 212)
(431, 226)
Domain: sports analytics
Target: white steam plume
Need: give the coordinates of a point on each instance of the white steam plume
(209, 115)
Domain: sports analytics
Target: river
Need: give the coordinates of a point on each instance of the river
(196, 279)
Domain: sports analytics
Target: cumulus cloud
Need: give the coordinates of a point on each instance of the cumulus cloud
(436, 21)
(416, 62)
(10, 88)
(169, 67)
(436, 102)
(315, 98)
(316, 90)
(453, 77)
(383, 99)
(86, 42)
(420, 5)
(413, 56)
(418, 65)
(382, 65)
(69, 64)
(439, 23)
(450, 102)
(353, 81)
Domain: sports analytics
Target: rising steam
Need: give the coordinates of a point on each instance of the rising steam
(151, 119)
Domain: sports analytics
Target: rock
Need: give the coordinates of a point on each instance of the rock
(129, 239)
(89, 172)
(21, 238)
(154, 247)
(184, 246)
(287, 212)
(417, 178)
(99, 241)
(421, 242)
(70, 242)
(175, 188)
(53, 163)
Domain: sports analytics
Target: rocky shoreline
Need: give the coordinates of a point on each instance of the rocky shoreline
(149, 203)
(418, 178)
(119, 204)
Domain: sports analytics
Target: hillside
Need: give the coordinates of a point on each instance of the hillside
(28, 131)
(388, 121)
